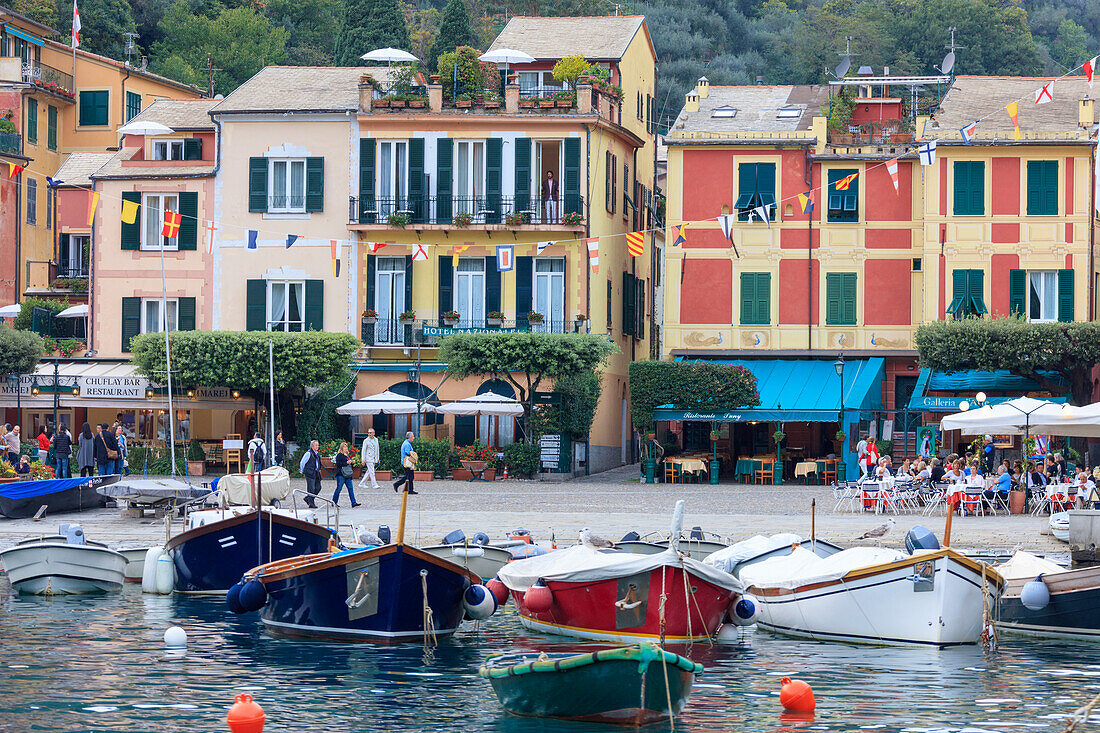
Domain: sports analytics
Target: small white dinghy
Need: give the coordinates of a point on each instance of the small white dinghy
(63, 564)
(1059, 526)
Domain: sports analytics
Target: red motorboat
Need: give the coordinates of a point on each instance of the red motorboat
(590, 593)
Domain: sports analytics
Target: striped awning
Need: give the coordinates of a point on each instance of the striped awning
(30, 37)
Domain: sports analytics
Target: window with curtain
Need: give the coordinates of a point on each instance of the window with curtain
(152, 320)
(1042, 296)
(469, 298)
(389, 295)
(392, 175)
(287, 186)
(469, 176)
(153, 206)
(286, 305)
(549, 294)
(168, 150)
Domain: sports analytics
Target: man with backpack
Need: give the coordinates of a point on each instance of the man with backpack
(256, 452)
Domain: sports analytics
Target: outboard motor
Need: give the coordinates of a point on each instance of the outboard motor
(696, 533)
(384, 533)
(456, 537)
(73, 533)
(920, 538)
(631, 537)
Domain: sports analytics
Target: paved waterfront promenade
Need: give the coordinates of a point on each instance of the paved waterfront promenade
(610, 504)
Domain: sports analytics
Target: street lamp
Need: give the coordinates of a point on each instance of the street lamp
(838, 365)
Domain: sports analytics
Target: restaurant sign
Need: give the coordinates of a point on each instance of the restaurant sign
(131, 387)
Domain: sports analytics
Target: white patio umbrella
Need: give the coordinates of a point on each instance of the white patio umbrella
(385, 403)
(145, 127)
(483, 404)
(1078, 422)
(506, 56)
(1015, 417)
(75, 311)
(10, 311)
(389, 55)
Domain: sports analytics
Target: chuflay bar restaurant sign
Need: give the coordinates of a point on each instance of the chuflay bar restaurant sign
(120, 387)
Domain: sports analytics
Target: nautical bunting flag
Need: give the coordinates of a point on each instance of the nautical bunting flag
(53, 182)
(678, 236)
(505, 257)
(843, 183)
(635, 243)
(1045, 94)
(594, 252)
(1090, 69)
(76, 26)
(252, 234)
(171, 228)
(210, 229)
(541, 247)
(763, 214)
(421, 254)
(726, 222)
(892, 169)
(806, 202)
(129, 211)
(967, 132)
(334, 250)
(927, 152)
(375, 246)
(460, 248)
(1012, 114)
(291, 239)
(93, 200)
(14, 170)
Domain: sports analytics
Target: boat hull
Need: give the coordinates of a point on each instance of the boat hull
(22, 499)
(486, 565)
(135, 562)
(883, 605)
(211, 558)
(588, 610)
(1073, 611)
(309, 598)
(57, 568)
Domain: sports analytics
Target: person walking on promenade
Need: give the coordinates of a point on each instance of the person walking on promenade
(256, 454)
(861, 457)
(122, 463)
(62, 451)
(11, 443)
(280, 449)
(369, 455)
(106, 450)
(408, 461)
(344, 472)
(85, 452)
(43, 439)
(310, 467)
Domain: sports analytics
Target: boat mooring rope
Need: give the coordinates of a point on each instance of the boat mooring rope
(1081, 714)
(429, 627)
(661, 606)
(668, 692)
(989, 631)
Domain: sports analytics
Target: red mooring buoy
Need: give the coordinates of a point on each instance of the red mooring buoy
(245, 716)
(796, 696)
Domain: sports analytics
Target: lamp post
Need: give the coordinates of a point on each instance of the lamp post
(838, 365)
(15, 381)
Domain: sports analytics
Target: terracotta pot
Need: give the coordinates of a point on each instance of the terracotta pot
(423, 475)
(461, 474)
(357, 471)
(383, 103)
(491, 105)
(327, 462)
(528, 103)
(10, 480)
(397, 103)
(566, 103)
(382, 475)
(417, 103)
(1016, 502)
(196, 468)
(490, 474)
(464, 103)
(546, 103)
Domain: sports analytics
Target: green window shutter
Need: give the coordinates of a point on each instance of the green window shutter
(969, 188)
(1050, 194)
(51, 127)
(1017, 292)
(417, 202)
(840, 298)
(133, 107)
(367, 330)
(444, 157)
(94, 108)
(629, 319)
(192, 148)
(848, 299)
(189, 220)
(315, 184)
(185, 314)
(446, 285)
(1065, 295)
(607, 180)
(1042, 188)
(315, 305)
(763, 298)
(765, 186)
(366, 180)
(748, 295)
(523, 174)
(257, 184)
(494, 152)
(976, 291)
(524, 297)
(959, 293)
(832, 298)
(746, 189)
(131, 321)
(131, 233)
(614, 181)
(571, 186)
(32, 120)
(255, 318)
(492, 285)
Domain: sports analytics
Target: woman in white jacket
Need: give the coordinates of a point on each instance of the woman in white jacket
(369, 455)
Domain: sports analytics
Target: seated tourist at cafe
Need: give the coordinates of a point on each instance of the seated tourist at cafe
(1001, 487)
(953, 474)
(24, 465)
(922, 472)
(936, 469)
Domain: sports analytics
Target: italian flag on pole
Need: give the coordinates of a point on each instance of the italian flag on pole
(76, 26)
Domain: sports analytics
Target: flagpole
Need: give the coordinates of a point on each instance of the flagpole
(167, 357)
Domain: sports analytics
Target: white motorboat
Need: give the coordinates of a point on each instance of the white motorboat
(63, 564)
(875, 596)
(484, 560)
(1059, 526)
(135, 562)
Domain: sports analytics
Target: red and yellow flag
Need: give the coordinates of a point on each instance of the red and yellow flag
(1012, 113)
(843, 183)
(635, 243)
(334, 251)
(171, 228)
(93, 199)
(13, 169)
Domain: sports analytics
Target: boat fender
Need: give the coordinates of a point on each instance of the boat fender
(920, 538)
(479, 602)
(253, 596)
(245, 716)
(467, 552)
(233, 597)
(1035, 596)
(175, 637)
(480, 539)
(499, 590)
(166, 574)
(744, 611)
(521, 552)
(796, 696)
(538, 598)
(149, 569)
(456, 537)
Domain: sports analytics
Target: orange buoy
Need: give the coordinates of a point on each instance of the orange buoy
(796, 696)
(538, 598)
(498, 589)
(245, 716)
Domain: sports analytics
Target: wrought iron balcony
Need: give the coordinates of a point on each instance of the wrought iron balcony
(428, 332)
(11, 142)
(468, 211)
(48, 78)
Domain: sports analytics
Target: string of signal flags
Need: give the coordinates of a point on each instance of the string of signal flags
(635, 241)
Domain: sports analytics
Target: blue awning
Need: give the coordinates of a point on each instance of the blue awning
(798, 390)
(965, 385)
(24, 35)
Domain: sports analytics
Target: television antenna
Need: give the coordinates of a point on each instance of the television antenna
(846, 59)
(948, 62)
(210, 69)
(129, 45)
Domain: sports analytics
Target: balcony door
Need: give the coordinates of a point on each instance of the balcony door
(470, 292)
(548, 159)
(469, 190)
(393, 169)
(389, 289)
(549, 294)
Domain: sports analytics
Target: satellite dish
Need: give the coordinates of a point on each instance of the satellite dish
(841, 70)
(948, 62)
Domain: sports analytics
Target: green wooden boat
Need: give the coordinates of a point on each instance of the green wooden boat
(630, 685)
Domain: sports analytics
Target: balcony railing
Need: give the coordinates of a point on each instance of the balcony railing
(11, 142)
(427, 333)
(467, 211)
(72, 269)
(48, 78)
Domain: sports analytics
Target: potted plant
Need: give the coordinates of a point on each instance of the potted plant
(462, 219)
(418, 103)
(839, 439)
(463, 101)
(381, 103)
(528, 103)
(407, 317)
(370, 317)
(778, 436)
(546, 103)
(534, 318)
(397, 103)
(565, 99)
(578, 321)
(452, 317)
(573, 219)
(494, 318)
(398, 219)
(476, 458)
(196, 459)
(491, 101)
(434, 77)
(517, 218)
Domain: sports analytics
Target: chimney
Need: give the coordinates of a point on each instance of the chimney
(366, 96)
(584, 98)
(435, 97)
(703, 87)
(759, 80)
(1086, 115)
(691, 101)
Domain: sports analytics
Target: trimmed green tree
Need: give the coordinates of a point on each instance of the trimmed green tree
(525, 360)
(367, 25)
(19, 351)
(688, 385)
(1050, 354)
(454, 31)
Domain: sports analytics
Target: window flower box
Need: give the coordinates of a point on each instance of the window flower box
(494, 318)
(381, 103)
(417, 103)
(528, 103)
(546, 103)
(406, 318)
(534, 318)
(370, 317)
(451, 318)
(462, 220)
(397, 103)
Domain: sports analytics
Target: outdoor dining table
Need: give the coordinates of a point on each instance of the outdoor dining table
(689, 464)
(807, 468)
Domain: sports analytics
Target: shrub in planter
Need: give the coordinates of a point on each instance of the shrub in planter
(522, 459)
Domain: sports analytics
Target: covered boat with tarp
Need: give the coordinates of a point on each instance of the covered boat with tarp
(1042, 598)
(22, 499)
(632, 685)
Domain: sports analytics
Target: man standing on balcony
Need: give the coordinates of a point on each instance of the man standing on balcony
(550, 198)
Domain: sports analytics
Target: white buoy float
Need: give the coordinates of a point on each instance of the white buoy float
(166, 574)
(149, 569)
(175, 637)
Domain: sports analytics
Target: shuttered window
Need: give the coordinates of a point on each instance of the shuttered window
(967, 293)
(840, 299)
(756, 298)
(133, 105)
(284, 305)
(32, 120)
(969, 188)
(1042, 188)
(1041, 296)
(571, 186)
(95, 108)
(843, 204)
(51, 127)
(755, 188)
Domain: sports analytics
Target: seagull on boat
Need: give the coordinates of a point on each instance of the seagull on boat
(366, 537)
(596, 543)
(878, 531)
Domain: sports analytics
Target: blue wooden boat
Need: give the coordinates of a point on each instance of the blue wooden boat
(22, 499)
(631, 685)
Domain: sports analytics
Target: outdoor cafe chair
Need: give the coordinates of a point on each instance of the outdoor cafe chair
(845, 494)
(973, 502)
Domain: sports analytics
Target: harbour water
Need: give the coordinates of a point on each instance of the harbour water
(99, 664)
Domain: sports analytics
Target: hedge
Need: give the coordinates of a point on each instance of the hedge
(688, 385)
